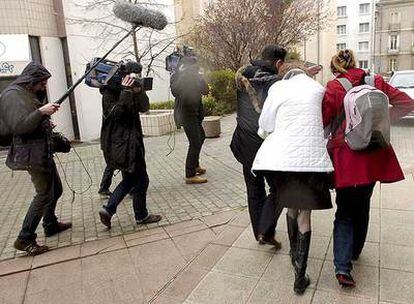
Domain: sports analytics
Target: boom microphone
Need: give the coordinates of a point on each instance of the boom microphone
(139, 15)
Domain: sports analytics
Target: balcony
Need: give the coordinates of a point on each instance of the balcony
(393, 51)
(394, 26)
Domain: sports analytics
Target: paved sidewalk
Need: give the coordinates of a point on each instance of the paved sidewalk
(167, 194)
(215, 260)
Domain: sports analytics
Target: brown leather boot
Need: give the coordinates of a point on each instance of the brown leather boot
(195, 180)
(200, 171)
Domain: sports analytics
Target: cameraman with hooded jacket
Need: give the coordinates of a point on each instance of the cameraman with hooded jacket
(123, 147)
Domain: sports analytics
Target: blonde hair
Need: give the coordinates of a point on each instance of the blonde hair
(343, 61)
(292, 65)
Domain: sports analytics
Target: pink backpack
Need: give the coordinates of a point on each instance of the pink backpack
(366, 111)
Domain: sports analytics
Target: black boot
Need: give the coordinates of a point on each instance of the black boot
(302, 251)
(292, 227)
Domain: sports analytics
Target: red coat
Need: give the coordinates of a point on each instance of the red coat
(354, 168)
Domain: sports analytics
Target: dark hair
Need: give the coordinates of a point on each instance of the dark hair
(273, 53)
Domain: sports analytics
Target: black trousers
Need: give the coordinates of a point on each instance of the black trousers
(263, 209)
(351, 224)
(135, 183)
(106, 178)
(48, 188)
(195, 134)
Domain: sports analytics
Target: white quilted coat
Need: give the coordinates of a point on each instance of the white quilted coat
(292, 115)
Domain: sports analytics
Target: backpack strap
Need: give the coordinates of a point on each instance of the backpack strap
(346, 84)
(370, 80)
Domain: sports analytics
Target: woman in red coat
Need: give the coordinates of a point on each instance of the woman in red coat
(356, 172)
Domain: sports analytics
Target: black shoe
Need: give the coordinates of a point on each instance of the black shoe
(58, 228)
(104, 192)
(292, 227)
(269, 241)
(151, 218)
(32, 248)
(302, 280)
(105, 217)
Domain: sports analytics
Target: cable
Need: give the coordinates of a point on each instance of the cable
(172, 125)
(74, 192)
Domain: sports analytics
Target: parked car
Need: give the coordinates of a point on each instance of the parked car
(404, 80)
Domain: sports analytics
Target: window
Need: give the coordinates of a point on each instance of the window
(363, 46)
(340, 46)
(364, 8)
(394, 42)
(341, 29)
(363, 64)
(364, 27)
(341, 11)
(393, 64)
(395, 17)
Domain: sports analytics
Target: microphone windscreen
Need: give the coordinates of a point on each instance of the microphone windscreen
(139, 15)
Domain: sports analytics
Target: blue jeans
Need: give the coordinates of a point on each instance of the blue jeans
(350, 225)
(138, 182)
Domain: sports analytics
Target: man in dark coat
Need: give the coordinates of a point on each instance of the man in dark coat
(28, 119)
(188, 86)
(253, 83)
(123, 146)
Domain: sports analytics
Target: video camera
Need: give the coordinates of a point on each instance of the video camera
(173, 60)
(109, 73)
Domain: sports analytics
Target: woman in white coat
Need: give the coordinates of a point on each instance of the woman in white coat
(295, 158)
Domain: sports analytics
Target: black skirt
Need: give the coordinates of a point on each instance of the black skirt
(302, 190)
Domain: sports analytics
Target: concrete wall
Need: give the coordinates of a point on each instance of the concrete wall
(51, 49)
(320, 48)
(31, 17)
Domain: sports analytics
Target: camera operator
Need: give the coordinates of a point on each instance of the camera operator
(123, 146)
(188, 86)
(28, 119)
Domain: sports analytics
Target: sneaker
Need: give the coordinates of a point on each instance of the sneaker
(195, 180)
(200, 171)
(104, 192)
(345, 280)
(58, 228)
(269, 241)
(31, 248)
(105, 217)
(151, 218)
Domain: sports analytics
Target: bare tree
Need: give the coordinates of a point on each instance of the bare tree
(232, 31)
(145, 45)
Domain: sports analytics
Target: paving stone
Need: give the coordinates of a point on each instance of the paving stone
(56, 256)
(244, 262)
(12, 287)
(221, 288)
(273, 292)
(16, 265)
(323, 297)
(209, 257)
(397, 257)
(396, 286)
(190, 245)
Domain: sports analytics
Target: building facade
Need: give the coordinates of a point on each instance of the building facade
(394, 36)
(44, 31)
(355, 28)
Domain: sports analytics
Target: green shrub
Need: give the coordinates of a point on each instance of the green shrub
(223, 96)
(166, 105)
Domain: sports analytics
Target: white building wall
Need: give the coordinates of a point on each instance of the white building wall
(352, 21)
(52, 57)
(83, 46)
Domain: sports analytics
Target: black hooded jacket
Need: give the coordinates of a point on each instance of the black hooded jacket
(19, 108)
(253, 83)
